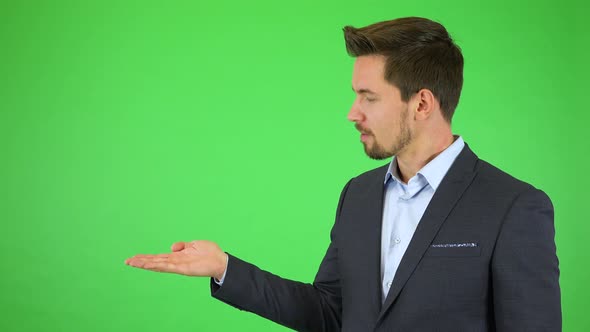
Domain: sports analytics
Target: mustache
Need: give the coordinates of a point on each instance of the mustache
(363, 130)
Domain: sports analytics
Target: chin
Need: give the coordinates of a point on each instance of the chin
(377, 154)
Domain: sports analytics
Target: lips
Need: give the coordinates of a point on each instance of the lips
(363, 131)
(365, 134)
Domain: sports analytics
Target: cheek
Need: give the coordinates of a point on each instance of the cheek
(384, 118)
(386, 126)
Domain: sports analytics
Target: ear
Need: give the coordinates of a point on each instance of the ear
(426, 104)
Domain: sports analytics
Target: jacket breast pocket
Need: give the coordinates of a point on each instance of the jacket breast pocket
(463, 249)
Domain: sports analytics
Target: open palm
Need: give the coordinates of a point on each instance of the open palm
(195, 258)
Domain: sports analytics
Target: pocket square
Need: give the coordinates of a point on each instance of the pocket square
(455, 245)
(459, 249)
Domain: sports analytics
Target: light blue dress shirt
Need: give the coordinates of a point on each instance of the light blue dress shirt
(404, 205)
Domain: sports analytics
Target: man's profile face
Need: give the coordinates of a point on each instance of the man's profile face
(378, 110)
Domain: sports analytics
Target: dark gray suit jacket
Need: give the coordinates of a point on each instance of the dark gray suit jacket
(482, 258)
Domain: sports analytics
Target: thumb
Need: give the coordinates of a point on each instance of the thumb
(178, 246)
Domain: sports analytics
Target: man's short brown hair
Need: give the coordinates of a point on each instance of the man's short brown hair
(420, 55)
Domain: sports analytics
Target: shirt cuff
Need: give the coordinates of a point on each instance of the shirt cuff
(220, 282)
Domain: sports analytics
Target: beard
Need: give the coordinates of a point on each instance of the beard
(378, 151)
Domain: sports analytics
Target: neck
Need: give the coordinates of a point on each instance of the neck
(420, 152)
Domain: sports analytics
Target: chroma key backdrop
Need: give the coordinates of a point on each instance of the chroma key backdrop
(126, 126)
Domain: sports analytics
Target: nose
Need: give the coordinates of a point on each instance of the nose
(355, 114)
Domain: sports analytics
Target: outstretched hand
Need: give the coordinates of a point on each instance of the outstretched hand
(195, 258)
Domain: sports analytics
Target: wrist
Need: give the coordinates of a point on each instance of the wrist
(220, 274)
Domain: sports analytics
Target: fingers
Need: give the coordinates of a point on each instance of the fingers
(178, 246)
(157, 266)
(151, 256)
(145, 257)
(158, 263)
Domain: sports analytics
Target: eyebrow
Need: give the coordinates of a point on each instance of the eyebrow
(364, 91)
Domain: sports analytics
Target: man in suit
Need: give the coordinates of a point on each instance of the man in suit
(437, 240)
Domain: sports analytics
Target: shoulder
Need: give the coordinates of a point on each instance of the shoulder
(496, 179)
(499, 188)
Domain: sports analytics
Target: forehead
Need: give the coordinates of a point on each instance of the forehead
(369, 72)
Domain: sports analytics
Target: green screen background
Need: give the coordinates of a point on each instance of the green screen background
(128, 125)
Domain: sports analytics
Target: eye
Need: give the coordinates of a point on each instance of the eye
(370, 100)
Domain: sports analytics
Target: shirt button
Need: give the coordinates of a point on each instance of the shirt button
(397, 241)
(389, 284)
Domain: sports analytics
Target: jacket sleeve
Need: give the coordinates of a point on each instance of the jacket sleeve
(525, 268)
(297, 305)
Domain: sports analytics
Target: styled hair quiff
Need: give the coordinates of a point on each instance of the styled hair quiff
(420, 54)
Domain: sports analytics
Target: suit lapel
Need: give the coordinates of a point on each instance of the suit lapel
(444, 200)
(372, 200)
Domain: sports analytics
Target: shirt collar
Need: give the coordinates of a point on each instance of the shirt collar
(435, 170)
